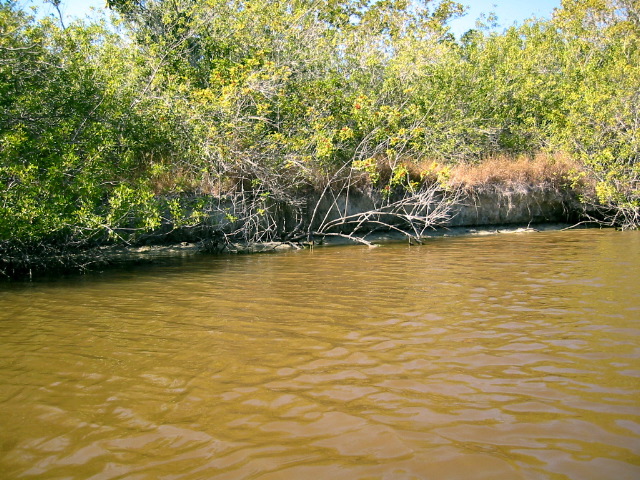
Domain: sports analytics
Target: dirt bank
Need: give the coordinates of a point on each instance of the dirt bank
(479, 212)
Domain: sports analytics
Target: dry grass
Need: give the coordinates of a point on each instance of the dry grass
(548, 170)
(541, 170)
(183, 180)
(557, 170)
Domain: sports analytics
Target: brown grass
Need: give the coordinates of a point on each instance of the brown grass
(183, 180)
(557, 170)
(541, 170)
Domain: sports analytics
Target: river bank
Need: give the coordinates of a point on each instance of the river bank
(487, 211)
(150, 253)
(114, 256)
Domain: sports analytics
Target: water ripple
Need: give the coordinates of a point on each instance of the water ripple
(494, 357)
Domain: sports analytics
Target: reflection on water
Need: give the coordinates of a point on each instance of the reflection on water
(504, 357)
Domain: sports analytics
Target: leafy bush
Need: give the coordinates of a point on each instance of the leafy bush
(106, 135)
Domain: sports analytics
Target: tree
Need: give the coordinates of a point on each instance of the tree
(76, 137)
(602, 42)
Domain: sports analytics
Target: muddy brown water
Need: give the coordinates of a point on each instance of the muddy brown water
(498, 357)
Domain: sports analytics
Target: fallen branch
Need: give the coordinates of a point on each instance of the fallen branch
(411, 214)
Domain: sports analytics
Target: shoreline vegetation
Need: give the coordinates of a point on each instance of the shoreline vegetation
(106, 257)
(213, 124)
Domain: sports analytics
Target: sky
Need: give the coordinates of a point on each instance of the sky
(508, 11)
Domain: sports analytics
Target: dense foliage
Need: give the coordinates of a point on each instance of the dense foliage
(108, 130)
